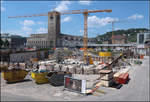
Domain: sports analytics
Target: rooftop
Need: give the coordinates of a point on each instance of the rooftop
(118, 37)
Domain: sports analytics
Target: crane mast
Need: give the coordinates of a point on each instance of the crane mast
(85, 35)
(85, 13)
(113, 22)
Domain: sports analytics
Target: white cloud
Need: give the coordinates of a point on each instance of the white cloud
(40, 22)
(94, 21)
(27, 22)
(62, 6)
(81, 31)
(66, 19)
(27, 29)
(19, 32)
(41, 30)
(84, 2)
(2, 1)
(136, 16)
(2, 9)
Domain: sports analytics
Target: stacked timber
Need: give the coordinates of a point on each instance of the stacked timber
(106, 77)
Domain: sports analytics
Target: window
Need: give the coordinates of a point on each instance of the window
(51, 17)
(141, 38)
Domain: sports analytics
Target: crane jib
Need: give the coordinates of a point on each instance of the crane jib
(67, 12)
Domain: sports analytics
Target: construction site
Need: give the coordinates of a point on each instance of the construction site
(76, 74)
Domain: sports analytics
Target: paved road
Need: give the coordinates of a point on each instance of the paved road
(13, 97)
(136, 90)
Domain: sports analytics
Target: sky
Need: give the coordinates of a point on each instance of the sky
(130, 14)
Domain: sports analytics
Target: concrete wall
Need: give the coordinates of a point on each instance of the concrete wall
(25, 56)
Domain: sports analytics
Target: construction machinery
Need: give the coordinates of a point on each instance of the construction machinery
(85, 13)
(113, 22)
(112, 26)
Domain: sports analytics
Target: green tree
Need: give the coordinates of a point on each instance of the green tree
(132, 38)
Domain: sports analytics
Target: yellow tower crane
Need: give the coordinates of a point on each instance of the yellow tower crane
(85, 13)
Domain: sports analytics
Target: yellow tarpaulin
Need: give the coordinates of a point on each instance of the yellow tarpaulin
(105, 54)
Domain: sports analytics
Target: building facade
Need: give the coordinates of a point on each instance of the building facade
(37, 41)
(118, 39)
(54, 38)
(40, 41)
(143, 37)
(147, 37)
(14, 41)
(143, 43)
(50, 39)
